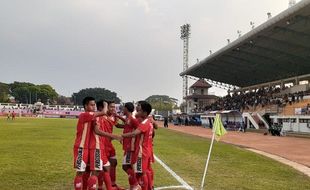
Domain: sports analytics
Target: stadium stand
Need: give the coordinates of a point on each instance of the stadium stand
(261, 64)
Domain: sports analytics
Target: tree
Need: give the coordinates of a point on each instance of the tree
(47, 93)
(30, 93)
(62, 100)
(97, 93)
(4, 92)
(162, 102)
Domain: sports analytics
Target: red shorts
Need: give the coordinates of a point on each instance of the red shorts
(80, 158)
(110, 151)
(140, 162)
(127, 158)
(97, 159)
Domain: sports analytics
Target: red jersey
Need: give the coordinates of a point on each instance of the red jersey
(111, 121)
(84, 126)
(130, 125)
(144, 139)
(95, 141)
(107, 123)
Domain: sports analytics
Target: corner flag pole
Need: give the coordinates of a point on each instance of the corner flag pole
(207, 163)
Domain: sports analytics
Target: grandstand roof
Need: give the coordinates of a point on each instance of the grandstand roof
(277, 49)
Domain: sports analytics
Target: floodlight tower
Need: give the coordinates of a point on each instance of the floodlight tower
(185, 33)
(291, 3)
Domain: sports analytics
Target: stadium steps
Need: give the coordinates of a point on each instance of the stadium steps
(262, 119)
(251, 119)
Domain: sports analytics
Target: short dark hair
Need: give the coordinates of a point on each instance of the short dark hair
(141, 102)
(99, 104)
(87, 99)
(110, 102)
(129, 106)
(146, 107)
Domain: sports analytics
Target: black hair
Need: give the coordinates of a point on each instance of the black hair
(146, 107)
(130, 107)
(87, 99)
(141, 102)
(110, 102)
(99, 104)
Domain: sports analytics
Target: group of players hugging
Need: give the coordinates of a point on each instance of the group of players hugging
(94, 154)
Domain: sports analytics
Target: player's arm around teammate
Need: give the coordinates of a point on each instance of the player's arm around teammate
(118, 125)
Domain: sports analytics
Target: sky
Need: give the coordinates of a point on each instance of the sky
(132, 47)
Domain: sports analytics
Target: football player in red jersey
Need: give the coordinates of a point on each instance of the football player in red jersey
(130, 124)
(105, 140)
(141, 158)
(150, 171)
(111, 120)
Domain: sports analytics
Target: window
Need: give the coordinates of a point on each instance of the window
(304, 120)
(288, 120)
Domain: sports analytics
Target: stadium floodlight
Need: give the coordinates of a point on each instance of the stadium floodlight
(239, 32)
(185, 33)
(252, 25)
(269, 15)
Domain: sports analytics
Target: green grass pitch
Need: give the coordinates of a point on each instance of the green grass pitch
(37, 154)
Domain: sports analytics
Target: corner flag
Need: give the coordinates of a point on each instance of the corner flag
(218, 127)
(218, 131)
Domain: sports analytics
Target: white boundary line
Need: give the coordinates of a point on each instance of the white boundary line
(178, 178)
(172, 187)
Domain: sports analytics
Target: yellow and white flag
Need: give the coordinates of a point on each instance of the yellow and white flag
(218, 127)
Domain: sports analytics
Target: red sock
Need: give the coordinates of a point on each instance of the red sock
(132, 177)
(100, 181)
(107, 180)
(149, 178)
(92, 182)
(85, 178)
(143, 182)
(152, 178)
(78, 182)
(113, 174)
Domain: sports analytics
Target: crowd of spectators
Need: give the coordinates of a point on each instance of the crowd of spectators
(241, 101)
